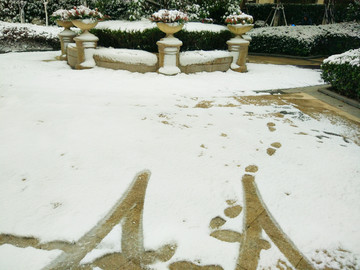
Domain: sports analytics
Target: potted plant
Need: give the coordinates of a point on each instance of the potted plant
(62, 18)
(239, 24)
(169, 21)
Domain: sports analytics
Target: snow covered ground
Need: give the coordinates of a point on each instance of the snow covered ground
(72, 142)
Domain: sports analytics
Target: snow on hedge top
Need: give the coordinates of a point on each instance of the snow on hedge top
(127, 56)
(351, 57)
(18, 30)
(201, 57)
(308, 33)
(144, 24)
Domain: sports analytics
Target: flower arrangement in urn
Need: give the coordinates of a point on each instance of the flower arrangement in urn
(239, 24)
(61, 15)
(77, 13)
(169, 21)
(169, 16)
(82, 13)
(241, 18)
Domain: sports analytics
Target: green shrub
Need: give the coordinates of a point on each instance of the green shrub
(147, 39)
(344, 78)
(280, 45)
(333, 43)
(353, 12)
(306, 40)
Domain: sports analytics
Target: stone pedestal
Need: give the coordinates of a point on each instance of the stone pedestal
(238, 48)
(66, 37)
(85, 42)
(169, 52)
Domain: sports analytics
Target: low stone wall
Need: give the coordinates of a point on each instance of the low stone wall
(219, 64)
(142, 62)
(72, 56)
(105, 63)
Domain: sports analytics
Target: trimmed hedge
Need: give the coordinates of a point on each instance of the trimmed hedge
(323, 42)
(146, 40)
(306, 40)
(343, 73)
(25, 39)
(345, 79)
(296, 41)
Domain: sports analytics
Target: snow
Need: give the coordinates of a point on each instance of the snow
(351, 57)
(89, 58)
(32, 29)
(201, 57)
(73, 140)
(168, 16)
(30, 259)
(308, 33)
(128, 26)
(127, 56)
(144, 24)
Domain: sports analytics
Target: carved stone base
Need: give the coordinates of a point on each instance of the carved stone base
(169, 51)
(83, 42)
(238, 48)
(66, 37)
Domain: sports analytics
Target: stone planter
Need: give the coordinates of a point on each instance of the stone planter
(66, 37)
(85, 25)
(239, 29)
(169, 28)
(238, 46)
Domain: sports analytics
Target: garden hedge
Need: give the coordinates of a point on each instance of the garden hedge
(343, 73)
(147, 39)
(324, 40)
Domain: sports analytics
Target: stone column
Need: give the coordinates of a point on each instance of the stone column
(84, 42)
(66, 37)
(238, 48)
(169, 52)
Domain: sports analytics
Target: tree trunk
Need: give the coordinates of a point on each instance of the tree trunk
(46, 13)
(242, 5)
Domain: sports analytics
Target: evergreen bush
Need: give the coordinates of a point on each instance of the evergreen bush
(146, 40)
(343, 73)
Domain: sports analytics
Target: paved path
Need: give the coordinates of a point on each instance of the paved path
(321, 92)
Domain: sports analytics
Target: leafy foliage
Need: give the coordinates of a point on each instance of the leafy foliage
(198, 10)
(15, 36)
(147, 39)
(353, 11)
(344, 78)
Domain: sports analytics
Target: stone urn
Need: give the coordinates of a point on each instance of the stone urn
(239, 29)
(66, 37)
(85, 25)
(170, 28)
